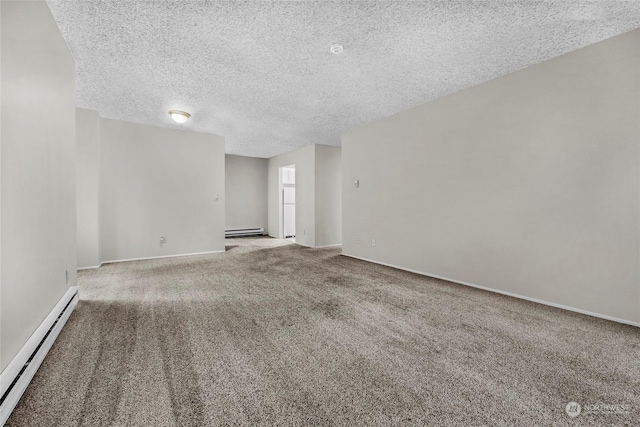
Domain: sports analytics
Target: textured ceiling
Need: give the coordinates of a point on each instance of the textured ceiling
(261, 74)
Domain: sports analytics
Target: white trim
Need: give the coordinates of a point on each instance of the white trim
(539, 301)
(17, 363)
(302, 244)
(159, 257)
(329, 246)
(91, 267)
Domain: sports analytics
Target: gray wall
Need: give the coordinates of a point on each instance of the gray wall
(38, 237)
(159, 182)
(328, 196)
(246, 192)
(528, 184)
(304, 159)
(87, 147)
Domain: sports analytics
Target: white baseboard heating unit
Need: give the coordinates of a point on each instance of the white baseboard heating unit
(18, 374)
(240, 232)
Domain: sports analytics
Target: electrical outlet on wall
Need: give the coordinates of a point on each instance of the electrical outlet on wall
(162, 240)
(304, 231)
(373, 242)
(357, 240)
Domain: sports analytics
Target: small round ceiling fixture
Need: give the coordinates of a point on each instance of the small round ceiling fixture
(179, 116)
(336, 48)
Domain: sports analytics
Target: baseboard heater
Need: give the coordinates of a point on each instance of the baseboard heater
(241, 232)
(18, 374)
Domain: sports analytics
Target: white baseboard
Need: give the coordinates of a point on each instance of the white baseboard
(539, 301)
(91, 267)
(16, 376)
(159, 257)
(329, 246)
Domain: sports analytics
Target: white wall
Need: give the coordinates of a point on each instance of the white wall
(328, 196)
(246, 192)
(159, 182)
(37, 150)
(527, 184)
(304, 160)
(87, 188)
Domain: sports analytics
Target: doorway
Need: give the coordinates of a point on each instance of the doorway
(288, 198)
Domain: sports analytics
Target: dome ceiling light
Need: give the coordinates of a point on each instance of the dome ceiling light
(179, 116)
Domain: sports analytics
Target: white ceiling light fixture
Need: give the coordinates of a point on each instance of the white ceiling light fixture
(179, 116)
(336, 48)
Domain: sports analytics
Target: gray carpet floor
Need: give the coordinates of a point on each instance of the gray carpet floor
(272, 333)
